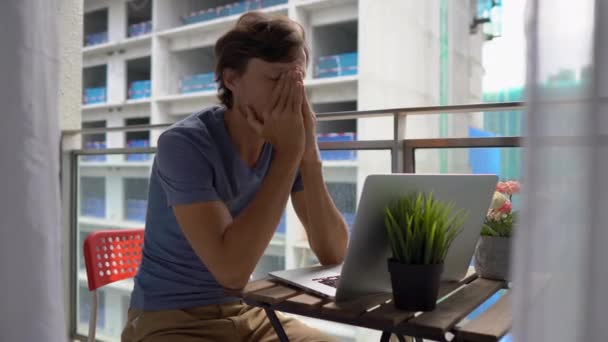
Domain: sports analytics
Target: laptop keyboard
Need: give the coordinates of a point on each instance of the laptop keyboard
(329, 281)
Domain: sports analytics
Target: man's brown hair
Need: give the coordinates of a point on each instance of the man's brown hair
(272, 38)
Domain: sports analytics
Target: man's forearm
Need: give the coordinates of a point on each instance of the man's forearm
(250, 232)
(326, 228)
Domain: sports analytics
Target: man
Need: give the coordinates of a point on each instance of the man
(219, 185)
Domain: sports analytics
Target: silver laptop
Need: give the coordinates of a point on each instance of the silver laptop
(364, 270)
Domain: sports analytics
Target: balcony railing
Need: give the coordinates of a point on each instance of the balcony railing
(402, 158)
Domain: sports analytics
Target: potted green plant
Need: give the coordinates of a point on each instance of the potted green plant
(493, 250)
(420, 231)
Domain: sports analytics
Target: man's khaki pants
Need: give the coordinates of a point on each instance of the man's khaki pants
(220, 322)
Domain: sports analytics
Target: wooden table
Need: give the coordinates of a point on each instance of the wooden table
(377, 311)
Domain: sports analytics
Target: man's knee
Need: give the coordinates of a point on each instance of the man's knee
(300, 332)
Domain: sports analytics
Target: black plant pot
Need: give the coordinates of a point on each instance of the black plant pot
(415, 287)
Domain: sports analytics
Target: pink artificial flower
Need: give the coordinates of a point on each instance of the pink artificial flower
(514, 187)
(502, 187)
(506, 208)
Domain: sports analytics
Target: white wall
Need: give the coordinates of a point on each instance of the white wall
(70, 77)
(70, 98)
(465, 77)
(394, 74)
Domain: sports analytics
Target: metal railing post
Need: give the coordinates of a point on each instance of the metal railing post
(409, 157)
(399, 127)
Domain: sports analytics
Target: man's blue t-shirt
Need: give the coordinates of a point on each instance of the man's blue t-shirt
(196, 161)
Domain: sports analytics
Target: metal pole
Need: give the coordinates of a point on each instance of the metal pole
(399, 126)
(276, 324)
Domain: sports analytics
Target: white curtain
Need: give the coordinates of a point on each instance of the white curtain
(561, 246)
(31, 296)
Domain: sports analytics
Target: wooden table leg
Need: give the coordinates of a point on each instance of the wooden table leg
(276, 324)
(386, 336)
(402, 338)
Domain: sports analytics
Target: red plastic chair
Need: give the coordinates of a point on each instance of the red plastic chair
(109, 256)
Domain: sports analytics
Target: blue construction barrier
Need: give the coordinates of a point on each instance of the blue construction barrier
(139, 29)
(337, 154)
(94, 95)
(196, 83)
(95, 38)
(336, 65)
(140, 89)
(282, 225)
(236, 8)
(199, 16)
(136, 209)
(138, 143)
(350, 219)
(270, 3)
(225, 11)
(94, 145)
(94, 207)
(484, 160)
